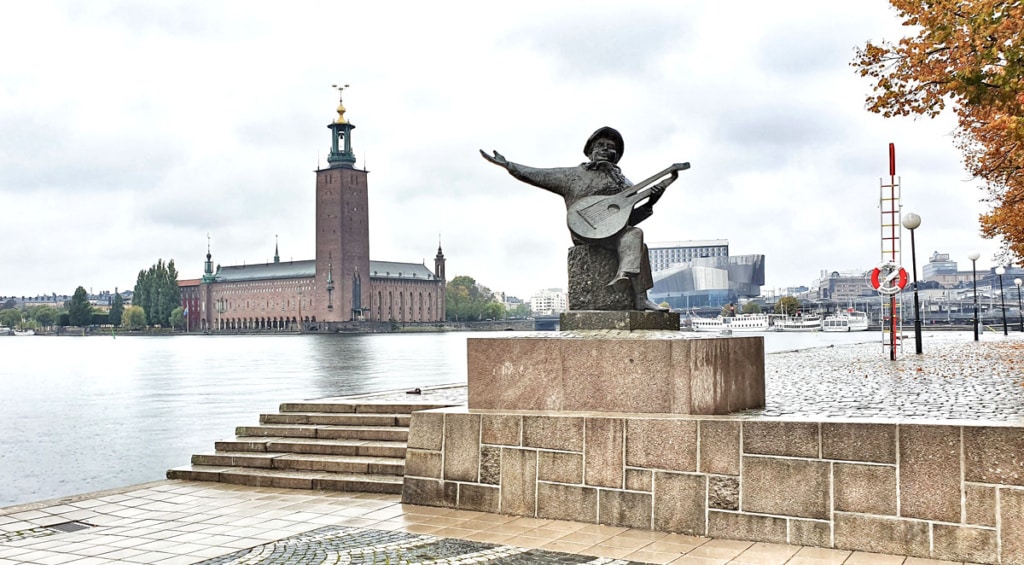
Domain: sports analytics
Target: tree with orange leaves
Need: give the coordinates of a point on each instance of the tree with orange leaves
(971, 54)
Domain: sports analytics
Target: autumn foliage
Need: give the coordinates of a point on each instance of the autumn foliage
(969, 54)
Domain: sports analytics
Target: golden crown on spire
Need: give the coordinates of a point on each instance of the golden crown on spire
(341, 107)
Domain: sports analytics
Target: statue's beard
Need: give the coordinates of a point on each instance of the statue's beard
(601, 164)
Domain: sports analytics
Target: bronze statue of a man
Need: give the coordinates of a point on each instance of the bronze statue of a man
(600, 206)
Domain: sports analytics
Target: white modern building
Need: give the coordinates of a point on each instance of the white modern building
(669, 254)
(549, 301)
(701, 273)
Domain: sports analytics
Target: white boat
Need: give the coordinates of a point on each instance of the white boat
(700, 324)
(849, 321)
(810, 323)
(741, 323)
(24, 332)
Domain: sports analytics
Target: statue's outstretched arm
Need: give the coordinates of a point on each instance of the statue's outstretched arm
(554, 180)
(498, 159)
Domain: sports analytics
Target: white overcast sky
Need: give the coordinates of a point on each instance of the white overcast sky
(131, 130)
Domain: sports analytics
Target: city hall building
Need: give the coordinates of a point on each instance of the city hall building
(341, 289)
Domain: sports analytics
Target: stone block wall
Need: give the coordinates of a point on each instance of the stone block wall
(951, 492)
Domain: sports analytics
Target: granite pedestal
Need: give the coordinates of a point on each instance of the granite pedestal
(651, 371)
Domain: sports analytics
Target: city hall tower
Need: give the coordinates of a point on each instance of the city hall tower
(342, 281)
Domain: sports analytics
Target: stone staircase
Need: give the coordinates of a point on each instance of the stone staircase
(319, 445)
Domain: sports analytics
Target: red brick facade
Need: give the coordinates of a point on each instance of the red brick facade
(342, 245)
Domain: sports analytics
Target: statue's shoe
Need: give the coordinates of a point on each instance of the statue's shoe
(646, 304)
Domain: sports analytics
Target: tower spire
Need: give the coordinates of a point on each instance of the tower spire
(439, 260)
(208, 266)
(277, 256)
(341, 154)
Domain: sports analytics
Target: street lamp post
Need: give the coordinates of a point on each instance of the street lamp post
(1020, 313)
(1000, 270)
(912, 221)
(973, 256)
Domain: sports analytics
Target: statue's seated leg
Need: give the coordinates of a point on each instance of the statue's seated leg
(590, 268)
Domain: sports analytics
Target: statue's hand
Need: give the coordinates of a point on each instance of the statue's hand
(658, 189)
(497, 159)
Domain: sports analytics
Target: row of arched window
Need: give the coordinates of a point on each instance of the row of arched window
(271, 323)
(404, 306)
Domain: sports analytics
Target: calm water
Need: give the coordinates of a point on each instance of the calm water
(85, 414)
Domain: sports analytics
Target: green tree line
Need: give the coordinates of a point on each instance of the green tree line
(468, 301)
(157, 301)
(157, 293)
(75, 312)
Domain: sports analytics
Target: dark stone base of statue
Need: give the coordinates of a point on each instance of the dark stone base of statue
(626, 320)
(591, 267)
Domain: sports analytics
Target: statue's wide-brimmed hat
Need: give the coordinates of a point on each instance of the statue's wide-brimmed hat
(606, 133)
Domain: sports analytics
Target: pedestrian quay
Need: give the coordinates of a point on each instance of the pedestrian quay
(956, 384)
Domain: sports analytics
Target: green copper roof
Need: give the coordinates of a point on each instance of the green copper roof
(265, 271)
(393, 270)
(307, 269)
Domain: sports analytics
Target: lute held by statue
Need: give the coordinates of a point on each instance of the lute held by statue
(599, 217)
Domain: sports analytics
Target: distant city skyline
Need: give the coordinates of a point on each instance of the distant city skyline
(766, 291)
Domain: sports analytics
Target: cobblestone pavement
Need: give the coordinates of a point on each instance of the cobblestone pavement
(359, 546)
(955, 379)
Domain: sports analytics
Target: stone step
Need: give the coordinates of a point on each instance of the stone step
(326, 432)
(368, 448)
(359, 407)
(318, 445)
(342, 464)
(341, 447)
(236, 459)
(337, 419)
(276, 478)
(303, 462)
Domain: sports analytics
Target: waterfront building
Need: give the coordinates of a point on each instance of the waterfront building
(549, 301)
(701, 273)
(341, 289)
(941, 269)
(669, 254)
(845, 288)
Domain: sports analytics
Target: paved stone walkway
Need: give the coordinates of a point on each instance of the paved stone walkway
(955, 379)
(181, 522)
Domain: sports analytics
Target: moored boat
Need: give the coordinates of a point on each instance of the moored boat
(849, 321)
(700, 324)
(24, 332)
(811, 323)
(741, 323)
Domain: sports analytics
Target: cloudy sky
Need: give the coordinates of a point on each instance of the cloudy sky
(131, 130)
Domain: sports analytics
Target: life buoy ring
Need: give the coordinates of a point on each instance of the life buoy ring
(895, 278)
